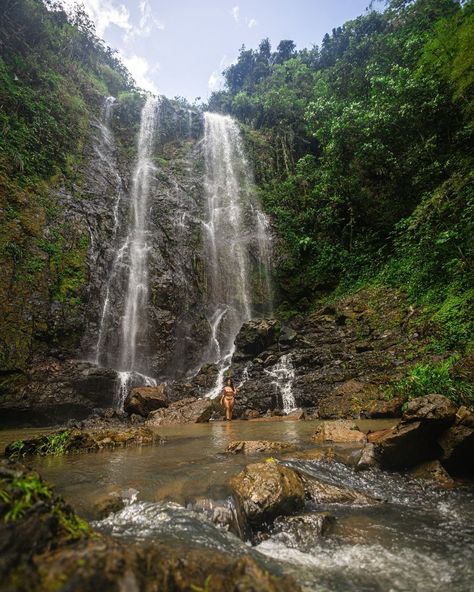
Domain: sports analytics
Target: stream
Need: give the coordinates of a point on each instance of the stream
(418, 538)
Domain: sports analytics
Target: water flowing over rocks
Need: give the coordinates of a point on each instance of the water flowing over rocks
(300, 532)
(47, 546)
(320, 492)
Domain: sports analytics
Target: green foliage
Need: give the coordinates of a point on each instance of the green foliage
(363, 152)
(426, 379)
(53, 444)
(21, 493)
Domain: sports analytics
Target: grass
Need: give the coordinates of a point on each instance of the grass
(53, 444)
(426, 379)
(22, 493)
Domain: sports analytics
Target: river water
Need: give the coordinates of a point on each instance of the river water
(418, 538)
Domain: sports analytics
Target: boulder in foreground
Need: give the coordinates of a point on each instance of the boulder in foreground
(266, 490)
(145, 399)
(189, 410)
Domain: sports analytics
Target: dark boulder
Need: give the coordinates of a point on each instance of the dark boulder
(457, 444)
(143, 400)
(436, 410)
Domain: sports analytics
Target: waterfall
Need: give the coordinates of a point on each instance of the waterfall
(283, 375)
(134, 320)
(106, 153)
(129, 266)
(237, 242)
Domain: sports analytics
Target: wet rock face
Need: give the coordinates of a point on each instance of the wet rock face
(319, 492)
(255, 336)
(266, 490)
(338, 431)
(53, 384)
(433, 471)
(343, 358)
(144, 400)
(184, 411)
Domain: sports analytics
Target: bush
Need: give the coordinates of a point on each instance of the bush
(426, 379)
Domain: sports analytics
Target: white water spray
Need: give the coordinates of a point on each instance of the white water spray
(283, 375)
(237, 241)
(134, 320)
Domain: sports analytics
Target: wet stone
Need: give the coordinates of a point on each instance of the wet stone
(266, 490)
(257, 446)
(341, 431)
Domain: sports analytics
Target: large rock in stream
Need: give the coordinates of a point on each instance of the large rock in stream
(457, 444)
(266, 490)
(414, 439)
(189, 410)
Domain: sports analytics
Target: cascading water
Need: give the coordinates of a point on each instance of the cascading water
(238, 245)
(134, 320)
(106, 153)
(130, 260)
(283, 375)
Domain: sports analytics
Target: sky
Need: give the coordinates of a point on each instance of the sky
(180, 47)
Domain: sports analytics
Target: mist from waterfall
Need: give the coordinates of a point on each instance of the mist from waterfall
(237, 242)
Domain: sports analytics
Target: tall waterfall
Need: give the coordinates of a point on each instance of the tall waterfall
(237, 241)
(106, 153)
(124, 348)
(134, 320)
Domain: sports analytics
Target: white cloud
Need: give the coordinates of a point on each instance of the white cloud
(104, 13)
(147, 22)
(235, 12)
(251, 23)
(140, 69)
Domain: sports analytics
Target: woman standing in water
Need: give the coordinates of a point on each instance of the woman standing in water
(228, 398)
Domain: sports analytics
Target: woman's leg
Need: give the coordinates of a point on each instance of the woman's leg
(231, 409)
(228, 413)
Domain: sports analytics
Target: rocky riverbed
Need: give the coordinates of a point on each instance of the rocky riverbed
(292, 489)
